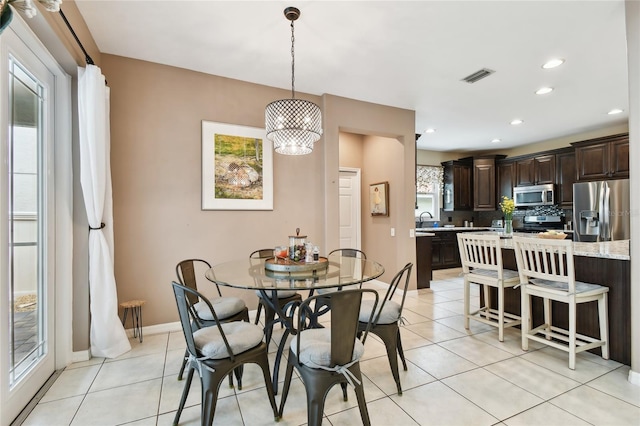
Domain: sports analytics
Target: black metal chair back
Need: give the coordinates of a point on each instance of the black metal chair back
(188, 272)
(213, 370)
(342, 369)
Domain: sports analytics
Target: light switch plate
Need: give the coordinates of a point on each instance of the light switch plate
(412, 233)
(393, 232)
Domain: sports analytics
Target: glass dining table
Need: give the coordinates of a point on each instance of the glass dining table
(267, 277)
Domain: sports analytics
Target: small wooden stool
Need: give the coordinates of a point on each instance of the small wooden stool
(136, 316)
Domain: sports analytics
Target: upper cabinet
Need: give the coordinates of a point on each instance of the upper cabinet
(538, 170)
(506, 175)
(565, 177)
(484, 182)
(603, 158)
(458, 185)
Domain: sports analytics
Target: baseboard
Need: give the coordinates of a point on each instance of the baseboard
(80, 356)
(634, 377)
(169, 327)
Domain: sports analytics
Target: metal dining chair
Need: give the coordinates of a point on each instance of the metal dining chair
(349, 253)
(387, 318)
(216, 351)
(324, 357)
(228, 308)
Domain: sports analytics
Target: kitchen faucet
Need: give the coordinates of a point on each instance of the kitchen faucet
(430, 215)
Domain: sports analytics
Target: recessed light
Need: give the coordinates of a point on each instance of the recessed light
(553, 63)
(430, 131)
(615, 111)
(516, 122)
(544, 90)
(496, 140)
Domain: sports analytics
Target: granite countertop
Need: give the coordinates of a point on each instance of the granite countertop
(453, 228)
(607, 250)
(424, 234)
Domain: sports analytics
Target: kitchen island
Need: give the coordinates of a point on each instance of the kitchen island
(604, 263)
(440, 250)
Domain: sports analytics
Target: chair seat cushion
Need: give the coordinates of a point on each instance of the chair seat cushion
(315, 347)
(225, 307)
(581, 287)
(241, 336)
(507, 274)
(390, 312)
(282, 294)
(327, 290)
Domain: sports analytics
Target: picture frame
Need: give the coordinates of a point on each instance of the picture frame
(379, 199)
(237, 167)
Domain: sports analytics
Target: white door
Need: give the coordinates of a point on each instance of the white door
(27, 223)
(350, 226)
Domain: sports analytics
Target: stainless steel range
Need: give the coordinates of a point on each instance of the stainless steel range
(541, 223)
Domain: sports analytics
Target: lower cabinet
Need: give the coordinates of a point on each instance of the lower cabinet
(423, 261)
(444, 250)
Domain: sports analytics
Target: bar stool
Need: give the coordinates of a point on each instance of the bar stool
(481, 258)
(135, 306)
(547, 271)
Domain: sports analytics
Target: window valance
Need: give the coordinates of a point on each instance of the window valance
(429, 179)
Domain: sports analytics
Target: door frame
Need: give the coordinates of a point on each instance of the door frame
(60, 255)
(356, 201)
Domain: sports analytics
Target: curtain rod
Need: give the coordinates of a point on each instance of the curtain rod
(87, 58)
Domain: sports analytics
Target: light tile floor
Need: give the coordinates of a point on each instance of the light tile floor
(455, 377)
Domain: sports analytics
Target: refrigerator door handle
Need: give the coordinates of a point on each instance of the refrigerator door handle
(605, 213)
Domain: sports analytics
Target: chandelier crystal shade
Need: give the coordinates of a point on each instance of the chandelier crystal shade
(293, 125)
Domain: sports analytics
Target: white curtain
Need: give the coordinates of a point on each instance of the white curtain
(108, 338)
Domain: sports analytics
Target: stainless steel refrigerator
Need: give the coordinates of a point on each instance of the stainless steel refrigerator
(601, 211)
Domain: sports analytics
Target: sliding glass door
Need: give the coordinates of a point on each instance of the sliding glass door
(27, 224)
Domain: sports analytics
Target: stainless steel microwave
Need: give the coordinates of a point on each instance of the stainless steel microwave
(536, 195)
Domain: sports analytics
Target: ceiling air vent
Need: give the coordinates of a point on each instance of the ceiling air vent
(478, 75)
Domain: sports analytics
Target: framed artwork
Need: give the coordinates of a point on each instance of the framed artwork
(379, 199)
(237, 168)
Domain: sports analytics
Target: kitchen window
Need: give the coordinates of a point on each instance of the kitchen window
(429, 184)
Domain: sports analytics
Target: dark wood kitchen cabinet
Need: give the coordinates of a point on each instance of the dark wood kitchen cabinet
(424, 247)
(484, 182)
(444, 250)
(566, 176)
(506, 175)
(603, 158)
(538, 170)
(458, 185)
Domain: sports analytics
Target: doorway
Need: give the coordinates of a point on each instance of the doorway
(350, 208)
(34, 215)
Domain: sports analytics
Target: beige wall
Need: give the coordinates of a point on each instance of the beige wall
(361, 118)
(156, 114)
(434, 158)
(376, 156)
(380, 155)
(632, 9)
(351, 150)
(562, 142)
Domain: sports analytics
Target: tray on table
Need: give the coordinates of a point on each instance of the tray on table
(286, 265)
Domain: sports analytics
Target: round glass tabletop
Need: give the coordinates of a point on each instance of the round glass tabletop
(252, 274)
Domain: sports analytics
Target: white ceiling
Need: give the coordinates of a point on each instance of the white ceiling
(407, 54)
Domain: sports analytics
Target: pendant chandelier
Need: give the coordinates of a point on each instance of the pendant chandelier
(293, 125)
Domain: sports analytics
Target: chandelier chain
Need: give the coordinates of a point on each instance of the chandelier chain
(293, 64)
